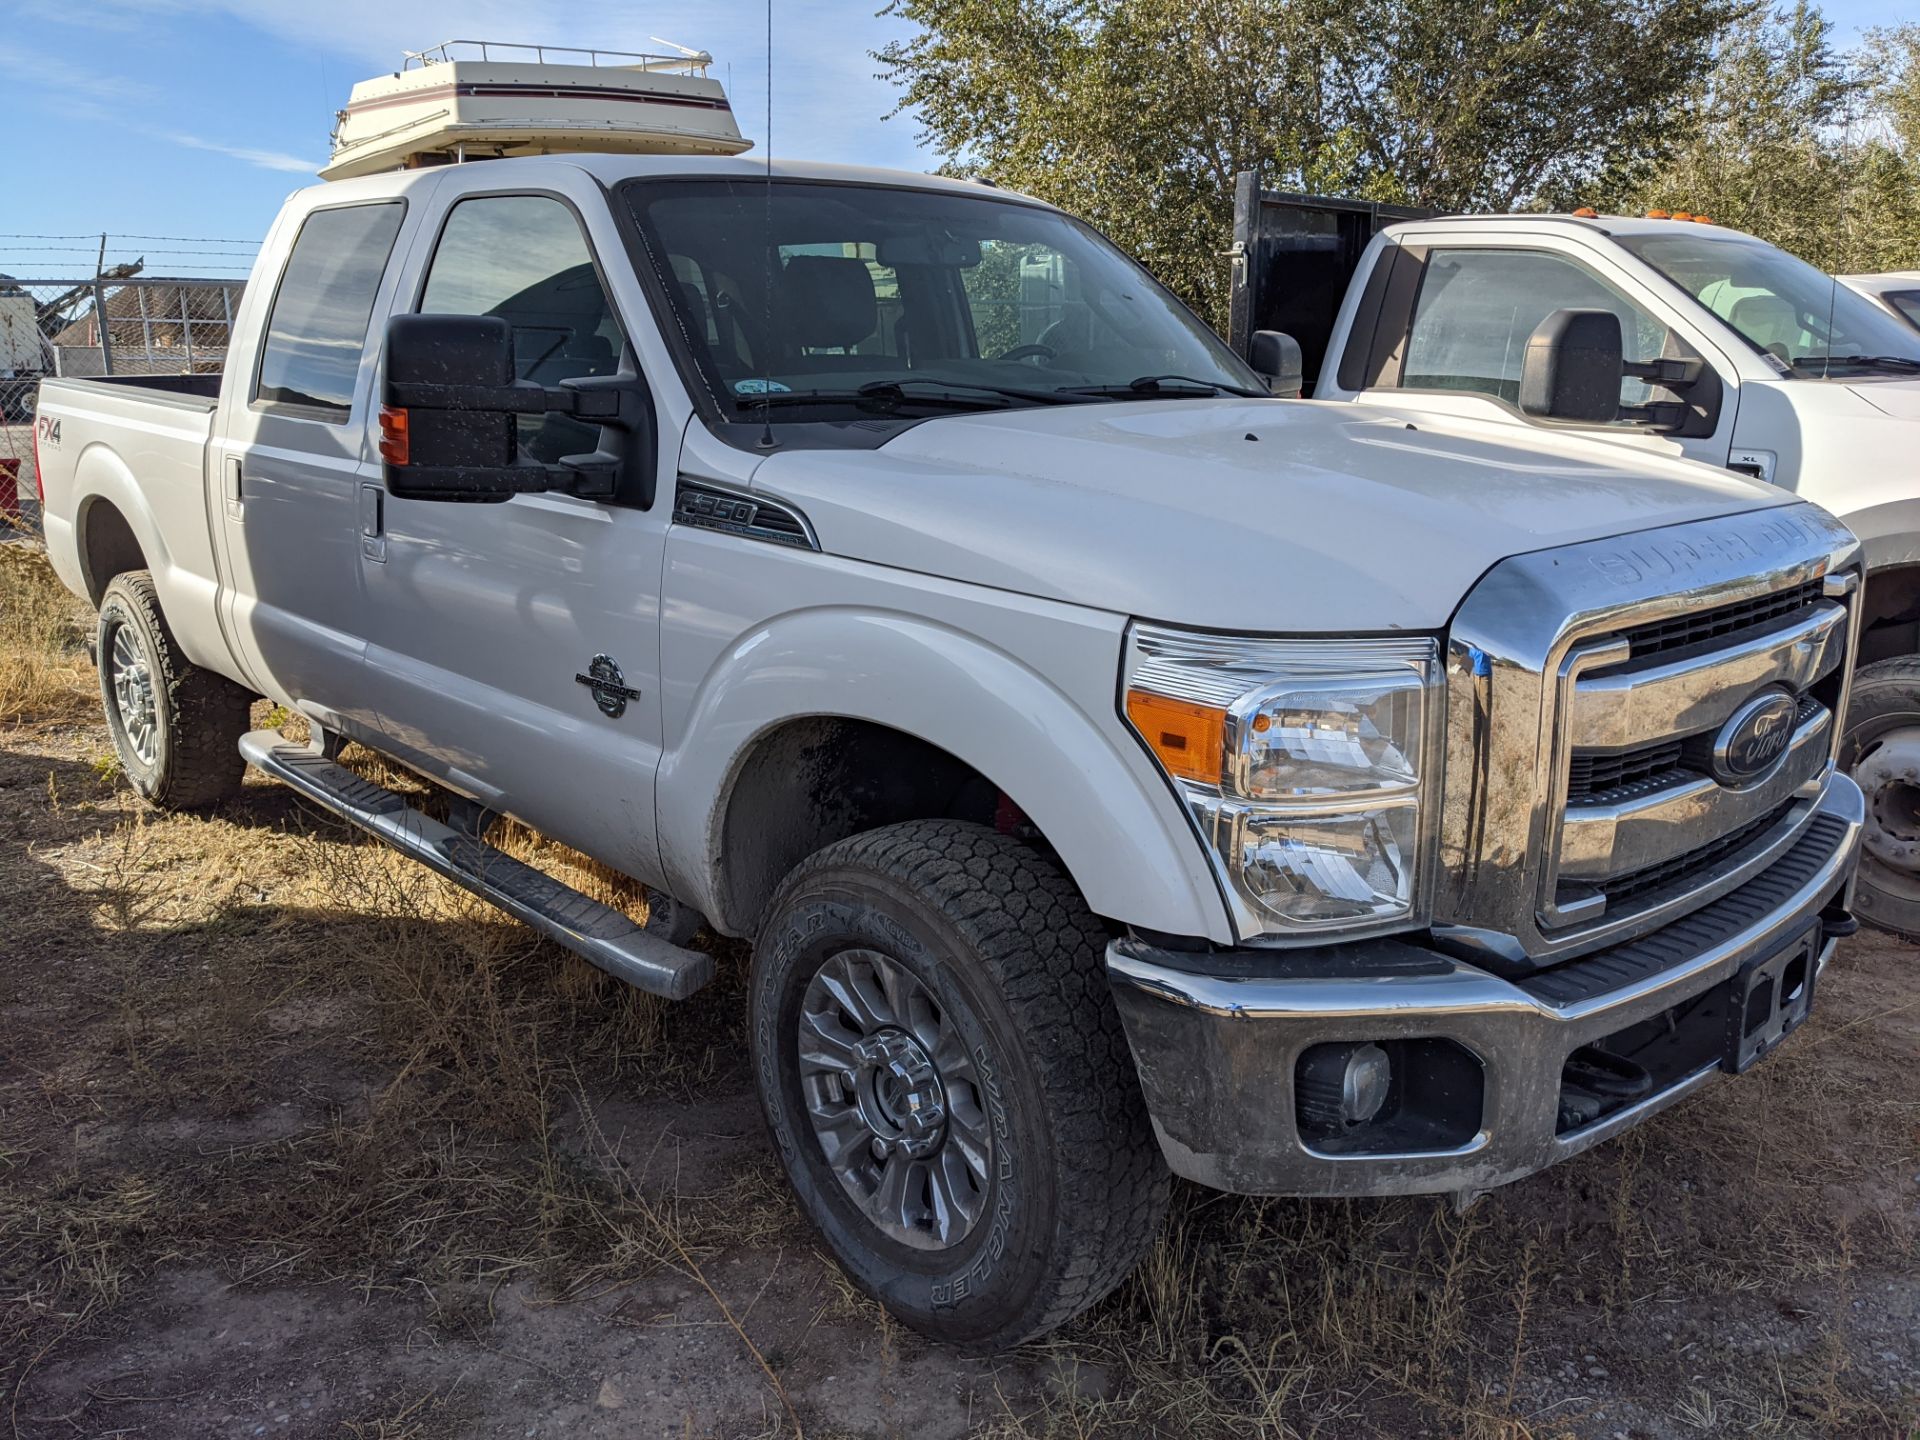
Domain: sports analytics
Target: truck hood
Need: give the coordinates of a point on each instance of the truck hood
(1231, 514)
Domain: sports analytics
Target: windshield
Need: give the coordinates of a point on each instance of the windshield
(827, 301)
(1781, 306)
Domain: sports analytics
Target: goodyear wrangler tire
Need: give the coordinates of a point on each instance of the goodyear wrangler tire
(947, 1082)
(175, 727)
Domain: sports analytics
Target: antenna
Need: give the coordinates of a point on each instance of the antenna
(766, 382)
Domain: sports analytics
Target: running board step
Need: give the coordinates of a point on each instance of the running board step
(597, 933)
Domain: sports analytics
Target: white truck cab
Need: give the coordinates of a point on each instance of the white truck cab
(1116, 770)
(1730, 351)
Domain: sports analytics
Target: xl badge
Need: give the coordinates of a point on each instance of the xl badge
(1754, 738)
(610, 690)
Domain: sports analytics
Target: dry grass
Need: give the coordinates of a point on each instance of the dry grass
(256, 1043)
(44, 672)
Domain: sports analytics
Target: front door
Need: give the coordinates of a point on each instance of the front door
(286, 469)
(1463, 329)
(484, 617)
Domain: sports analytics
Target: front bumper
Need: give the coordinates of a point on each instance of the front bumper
(1218, 1037)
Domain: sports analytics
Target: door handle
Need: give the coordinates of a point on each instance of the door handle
(230, 486)
(373, 522)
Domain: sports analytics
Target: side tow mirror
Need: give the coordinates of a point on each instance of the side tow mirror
(448, 418)
(1573, 366)
(1275, 356)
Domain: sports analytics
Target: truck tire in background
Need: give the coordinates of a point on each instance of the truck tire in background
(947, 1082)
(176, 727)
(1882, 752)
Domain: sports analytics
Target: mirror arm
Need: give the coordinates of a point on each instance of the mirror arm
(1663, 416)
(1668, 374)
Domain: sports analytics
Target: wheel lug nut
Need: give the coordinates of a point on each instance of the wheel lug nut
(879, 1148)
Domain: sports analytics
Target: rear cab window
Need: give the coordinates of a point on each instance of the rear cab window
(316, 332)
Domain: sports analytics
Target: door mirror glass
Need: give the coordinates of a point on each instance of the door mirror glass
(1572, 368)
(1276, 356)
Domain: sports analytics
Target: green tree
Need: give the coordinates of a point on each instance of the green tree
(1138, 113)
(1787, 138)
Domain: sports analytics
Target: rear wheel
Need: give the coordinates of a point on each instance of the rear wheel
(947, 1082)
(175, 727)
(1882, 753)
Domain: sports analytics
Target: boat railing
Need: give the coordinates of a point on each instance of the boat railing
(689, 62)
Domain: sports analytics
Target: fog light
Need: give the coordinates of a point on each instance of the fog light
(1341, 1086)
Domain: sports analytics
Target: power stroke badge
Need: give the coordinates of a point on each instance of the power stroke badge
(610, 689)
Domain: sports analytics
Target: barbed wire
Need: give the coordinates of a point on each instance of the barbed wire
(124, 235)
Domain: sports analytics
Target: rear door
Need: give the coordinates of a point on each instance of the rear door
(1447, 312)
(286, 468)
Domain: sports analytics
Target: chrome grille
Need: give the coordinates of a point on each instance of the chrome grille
(1587, 689)
(1721, 621)
(1653, 877)
(1595, 773)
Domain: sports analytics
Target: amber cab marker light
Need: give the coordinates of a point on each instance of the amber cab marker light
(1586, 212)
(1187, 738)
(1658, 215)
(393, 435)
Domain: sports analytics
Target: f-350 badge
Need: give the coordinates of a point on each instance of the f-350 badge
(610, 690)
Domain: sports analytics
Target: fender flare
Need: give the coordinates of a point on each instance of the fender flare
(1081, 778)
(100, 474)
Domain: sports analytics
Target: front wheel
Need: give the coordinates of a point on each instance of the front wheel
(175, 727)
(1882, 753)
(948, 1084)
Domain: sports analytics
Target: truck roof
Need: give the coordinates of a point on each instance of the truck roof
(1604, 224)
(611, 169)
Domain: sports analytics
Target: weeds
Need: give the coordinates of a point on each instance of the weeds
(44, 671)
(256, 1044)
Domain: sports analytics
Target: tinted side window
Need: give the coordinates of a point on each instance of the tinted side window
(1907, 302)
(523, 258)
(317, 331)
(1476, 309)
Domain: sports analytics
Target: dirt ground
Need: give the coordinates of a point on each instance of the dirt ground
(296, 1140)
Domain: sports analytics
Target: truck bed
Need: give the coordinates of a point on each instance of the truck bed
(195, 392)
(136, 448)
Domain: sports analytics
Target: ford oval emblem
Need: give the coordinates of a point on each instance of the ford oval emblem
(1754, 738)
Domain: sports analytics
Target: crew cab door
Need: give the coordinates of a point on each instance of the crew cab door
(1441, 314)
(290, 455)
(488, 614)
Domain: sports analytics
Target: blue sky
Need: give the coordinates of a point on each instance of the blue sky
(196, 117)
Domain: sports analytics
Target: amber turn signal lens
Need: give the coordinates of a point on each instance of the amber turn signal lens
(1658, 215)
(393, 435)
(1189, 739)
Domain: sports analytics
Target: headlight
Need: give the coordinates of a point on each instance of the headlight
(1308, 766)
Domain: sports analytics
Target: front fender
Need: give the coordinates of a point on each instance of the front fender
(1067, 762)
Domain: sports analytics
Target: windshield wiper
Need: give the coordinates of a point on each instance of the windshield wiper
(1160, 387)
(1899, 363)
(888, 395)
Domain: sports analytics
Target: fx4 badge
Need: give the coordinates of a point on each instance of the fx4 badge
(610, 690)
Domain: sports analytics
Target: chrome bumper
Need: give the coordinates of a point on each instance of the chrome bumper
(1217, 1037)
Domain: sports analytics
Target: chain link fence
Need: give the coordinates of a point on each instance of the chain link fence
(96, 327)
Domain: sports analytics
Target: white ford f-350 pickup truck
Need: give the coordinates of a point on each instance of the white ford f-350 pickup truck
(1720, 348)
(1117, 770)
